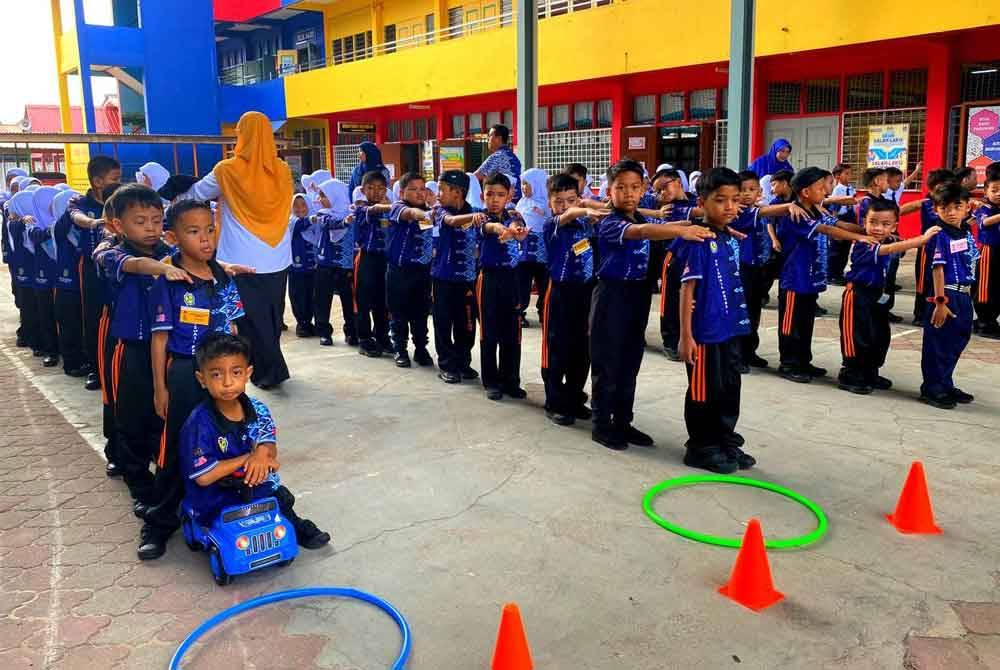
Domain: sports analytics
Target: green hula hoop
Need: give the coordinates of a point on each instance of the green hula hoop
(790, 543)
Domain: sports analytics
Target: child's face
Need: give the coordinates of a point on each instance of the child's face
(374, 191)
(845, 177)
(450, 196)
(828, 183)
(953, 213)
(894, 181)
(101, 182)
(749, 191)
(581, 181)
(722, 205)
(814, 193)
(140, 225)
(496, 196)
(993, 192)
(880, 183)
(526, 189)
(880, 224)
(299, 208)
(195, 235)
(430, 198)
(667, 189)
(324, 201)
(969, 183)
(225, 378)
(782, 189)
(626, 191)
(413, 193)
(560, 201)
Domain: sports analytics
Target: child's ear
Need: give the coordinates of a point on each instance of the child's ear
(249, 371)
(115, 225)
(200, 377)
(170, 238)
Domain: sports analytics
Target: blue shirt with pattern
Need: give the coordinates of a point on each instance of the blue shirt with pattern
(720, 305)
(406, 243)
(336, 242)
(303, 251)
(455, 257)
(621, 258)
(988, 235)
(130, 293)
(505, 161)
(804, 248)
(68, 256)
(497, 254)
(756, 248)
(369, 229)
(571, 255)
(955, 249)
(866, 267)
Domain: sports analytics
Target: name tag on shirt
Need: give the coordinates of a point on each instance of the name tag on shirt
(195, 316)
(425, 225)
(581, 247)
(958, 246)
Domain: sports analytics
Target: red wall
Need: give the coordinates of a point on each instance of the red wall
(242, 10)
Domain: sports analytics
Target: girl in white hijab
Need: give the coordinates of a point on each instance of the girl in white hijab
(335, 245)
(533, 267)
(152, 175)
(475, 195)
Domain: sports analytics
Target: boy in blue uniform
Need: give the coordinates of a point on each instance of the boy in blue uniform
(334, 239)
(953, 255)
(843, 174)
(370, 267)
(131, 267)
(714, 318)
(620, 309)
(986, 291)
(498, 294)
(454, 273)
(922, 265)
(302, 273)
(864, 313)
(803, 274)
(233, 435)
(565, 336)
(69, 308)
(183, 313)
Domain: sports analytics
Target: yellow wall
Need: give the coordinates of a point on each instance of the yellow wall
(617, 39)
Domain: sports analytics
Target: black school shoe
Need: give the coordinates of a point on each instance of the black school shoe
(401, 359)
(744, 460)
(895, 318)
(93, 382)
(524, 322)
(469, 374)
(50, 360)
(583, 413)
(881, 383)
(449, 377)
(714, 460)
(352, 340)
(112, 470)
(76, 372)
(309, 536)
(794, 375)
(326, 341)
(814, 371)
(560, 419)
(152, 543)
(940, 401)
(633, 435)
(22, 342)
(139, 509)
(743, 368)
(671, 354)
(821, 311)
(422, 357)
(609, 437)
(961, 397)
(370, 349)
(515, 392)
(304, 330)
(756, 361)
(853, 387)
(494, 393)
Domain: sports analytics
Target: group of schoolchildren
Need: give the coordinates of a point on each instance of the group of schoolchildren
(173, 372)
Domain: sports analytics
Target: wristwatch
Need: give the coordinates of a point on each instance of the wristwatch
(938, 299)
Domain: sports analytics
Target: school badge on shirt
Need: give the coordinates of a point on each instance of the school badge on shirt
(189, 299)
(223, 444)
(713, 246)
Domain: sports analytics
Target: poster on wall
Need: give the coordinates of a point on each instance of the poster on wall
(427, 164)
(982, 139)
(887, 145)
(452, 158)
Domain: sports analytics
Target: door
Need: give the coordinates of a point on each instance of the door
(640, 144)
(681, 146)
(815, 139)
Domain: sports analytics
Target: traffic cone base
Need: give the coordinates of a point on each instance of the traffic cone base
(914, 514)
(759, 604)
(750, 584)
(512, 651)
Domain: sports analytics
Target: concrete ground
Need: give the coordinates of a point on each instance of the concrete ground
(449, 505)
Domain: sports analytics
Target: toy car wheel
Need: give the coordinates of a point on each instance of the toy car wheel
(218, 570)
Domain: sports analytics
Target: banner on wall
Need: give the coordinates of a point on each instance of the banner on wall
(982, 139)
(452, 158)
(887, 145)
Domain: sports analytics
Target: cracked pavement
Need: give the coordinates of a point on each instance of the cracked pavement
(448, 505)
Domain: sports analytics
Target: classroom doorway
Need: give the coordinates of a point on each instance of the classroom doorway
(681, 147)
(815, 140)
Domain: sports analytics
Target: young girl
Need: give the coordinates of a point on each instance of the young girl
(334, 240)
(302, 273)
(534, 210)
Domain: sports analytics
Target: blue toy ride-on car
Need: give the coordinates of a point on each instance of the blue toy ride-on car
(243, 538)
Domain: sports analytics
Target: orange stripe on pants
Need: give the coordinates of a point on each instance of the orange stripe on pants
(116, 369)
(786, 324)
(479, 305)
(545, 328)
(663, 282)
(847, 331)
(984, 275)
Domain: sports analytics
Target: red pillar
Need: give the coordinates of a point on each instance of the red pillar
(941, 83)
(379, 128)
(619, 119)
(758, 110)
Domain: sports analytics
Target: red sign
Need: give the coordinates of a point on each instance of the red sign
(238, 11)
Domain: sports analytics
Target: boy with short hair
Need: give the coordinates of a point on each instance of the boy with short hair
(578, 171)
(453, 273)
(714, 318)
(370, 267)
(952, 254)
(333, 235)
(843, 173)
(803, 274)
(621, 303)
(183, 314)
(233, 435)
(864, 314)
(498, 294)
(922, 265)
(986, 290)
(302, 272)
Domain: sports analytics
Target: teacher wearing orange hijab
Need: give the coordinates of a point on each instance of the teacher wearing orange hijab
(254, 188)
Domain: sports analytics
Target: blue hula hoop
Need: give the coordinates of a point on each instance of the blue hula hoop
(312, 592)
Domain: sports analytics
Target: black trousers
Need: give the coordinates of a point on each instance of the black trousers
(890, 280)
(754, 289)
(369, 291)
(864, 334)
(408, 296)
(139, 427)
(921, 273)
(185, 393)
(27, 307)
(264, 303)
(105, 369)
(537, 273)
(69, 318)
(712, 402)
(498, 295)
(942, 347)
(566, 345)
(657, 257)
(986, 290)
(91, 294)
(670, 301)
(300, 294)
(839, 253)
(454, 313)
(330, 282)
(48, 334)
(618, 318)
(796, 318)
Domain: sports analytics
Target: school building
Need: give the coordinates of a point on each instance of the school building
(647, 79)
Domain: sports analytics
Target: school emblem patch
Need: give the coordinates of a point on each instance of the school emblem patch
(223, 444)
(713, 246)
(65, 273)
(189, 299)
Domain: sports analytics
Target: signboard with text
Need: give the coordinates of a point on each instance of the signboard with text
(888, 145)
(982, 139)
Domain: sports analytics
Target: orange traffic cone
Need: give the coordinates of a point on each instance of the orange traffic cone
(913, 511)
(512, 651)
(750, 584)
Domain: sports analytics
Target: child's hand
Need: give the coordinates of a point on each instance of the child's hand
(480, 219)
(735, 233)
(940, 315)
(176, 274)
(665, 210)
(796, 213)
(931, 232)
(686, 348)
(776, 244)
(597, 213)
(520, 233)
(236, 269)
(507, 235)
(696, 233)
(257, 467)
(29, 220)
(161, 398)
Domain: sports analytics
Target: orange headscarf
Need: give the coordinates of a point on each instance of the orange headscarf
(256, 184)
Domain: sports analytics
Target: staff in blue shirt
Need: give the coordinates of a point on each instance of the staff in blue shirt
(302, 272)
(333, 236)
(986, 292)
(502, 159)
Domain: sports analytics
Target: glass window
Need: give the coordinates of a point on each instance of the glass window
(392, 131)
(543, 119)
(492, 118)
(506, 12)
(724, 103)
(560, 117)
(908, 88)
(864, 91)
(508, 119)
(349, 48)
(702, 103)
(583, 115)
(822, 95)
(429, 28)
(407, 133)
(644, 109)
(458, 126)
(671, 107)
(784, 97)
(604, 110)
(420, 129)
(455, 15)
(390, 38)
(475, 124)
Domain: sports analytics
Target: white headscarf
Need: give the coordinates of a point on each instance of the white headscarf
(534, 209)
(684, 181)
(359, 194)
(307, 182)
(63, 187)
(432, 186)
(694, 180)
(336, 192)
(395, 191)
(319, 177)
(765, 188)
(155, 173)
(42, 200)
(61, 202)
(292, 218)
(475, 195)
(21, 205)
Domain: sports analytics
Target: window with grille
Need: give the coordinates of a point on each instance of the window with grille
(420, 129)
(455, 16)
(508, 118)
(543, 119)
(429, 28)
(345, 157)
(981, 82)
(644, 109)
(492, 118)
(557, 7)
(822, 95)
(348, 48)
(583, 115)
(671, 107)
(475, 124)
(604, 110)
(592, 148)
(338, 52)
(908, 88)
(458, 126)
(854, 145)
(361, 47)
(723, 105)
(506, 12)
(702, 103)
(784, 97)
(721, 144)
(392, 131)
(390, 38)
(864, 91)
(560, 117)
(407, 130)
(954, 130)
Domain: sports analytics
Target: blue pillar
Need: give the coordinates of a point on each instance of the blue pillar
(741, 24)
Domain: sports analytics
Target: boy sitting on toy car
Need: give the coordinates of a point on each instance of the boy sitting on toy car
(232, 437)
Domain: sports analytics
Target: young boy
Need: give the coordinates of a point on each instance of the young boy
(498, 295)
(864, 314)
(986, 291)
(183, 314)
(130, 267)
(713, 321)
(334, 238)
(843, 173)
(409, 248)
(565, 336)
(952, 255)
(370, 267)
(88, 226)
(620, 309)
(233, 435)
(453, 273)
(578, 171)
(302, 273)
(781, 192)
(803, 274)
(922, 265)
